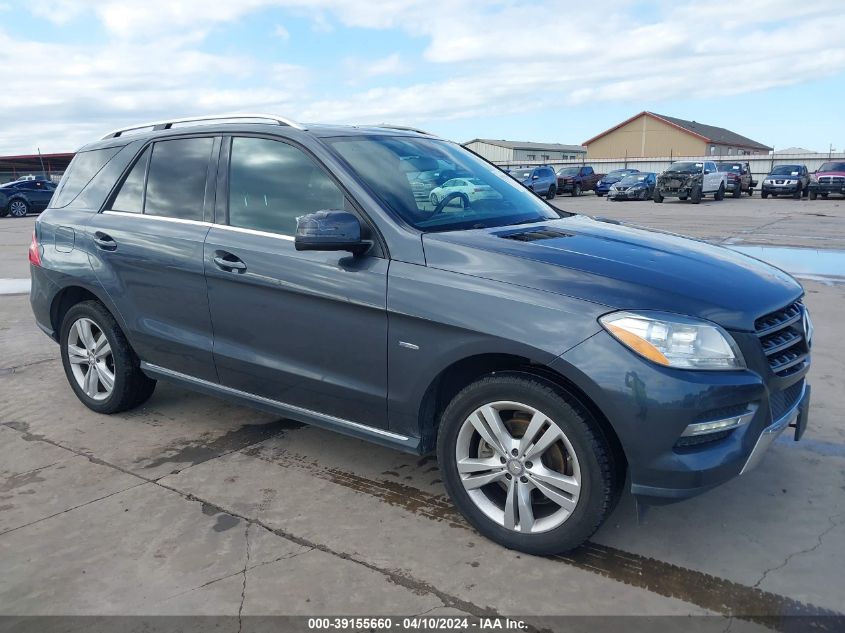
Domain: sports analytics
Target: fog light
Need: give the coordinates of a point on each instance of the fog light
(725, 424)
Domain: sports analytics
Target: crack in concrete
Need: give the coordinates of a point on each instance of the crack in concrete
(788, 559)
(243, 590)
(14, 368)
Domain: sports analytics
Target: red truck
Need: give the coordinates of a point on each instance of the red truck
(574, 180)
(827, 179)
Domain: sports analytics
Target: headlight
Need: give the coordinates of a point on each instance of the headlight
(674, 340)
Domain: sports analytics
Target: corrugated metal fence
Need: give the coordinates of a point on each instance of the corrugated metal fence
(760, 164)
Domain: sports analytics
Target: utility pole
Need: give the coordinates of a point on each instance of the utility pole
(44, 173)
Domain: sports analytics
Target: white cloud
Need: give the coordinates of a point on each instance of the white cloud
(496, 58)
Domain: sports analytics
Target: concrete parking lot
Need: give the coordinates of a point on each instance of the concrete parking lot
(189, 505)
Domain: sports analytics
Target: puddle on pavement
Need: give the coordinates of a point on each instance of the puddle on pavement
(14, 286)
(809, 263)
(716, 594)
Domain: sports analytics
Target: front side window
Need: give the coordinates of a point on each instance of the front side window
(272, 183)
(388, 164)
(177, 176)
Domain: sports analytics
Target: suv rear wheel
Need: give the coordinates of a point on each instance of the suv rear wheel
(576, 190)
(526, 464)
(99, 363)
(551, 193)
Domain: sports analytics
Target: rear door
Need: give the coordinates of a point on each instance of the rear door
(303, 328)
(148, 253)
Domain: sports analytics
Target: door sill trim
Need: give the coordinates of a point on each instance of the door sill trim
(315, 417)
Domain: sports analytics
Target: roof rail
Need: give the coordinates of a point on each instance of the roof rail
(169, 123)
(403, 128)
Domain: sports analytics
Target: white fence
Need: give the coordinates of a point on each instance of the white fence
(761, 164)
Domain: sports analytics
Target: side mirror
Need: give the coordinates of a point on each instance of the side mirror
(332, 230)
(534, 177)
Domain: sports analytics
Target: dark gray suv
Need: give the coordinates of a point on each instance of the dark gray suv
(545, 356)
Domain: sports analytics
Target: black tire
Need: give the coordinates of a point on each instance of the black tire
(18, 208)
(4, 211)
(813, 195)
(764, 194)
(657, 197)
(601, 476)
(737, 190)
(720, 194)
(695, 195)
(551, 193)
(798, 191)
(576, 190)
(131, 386)
(750, 191)
(805, 191)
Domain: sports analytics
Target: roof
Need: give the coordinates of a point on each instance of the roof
(553, 147)
(794, 150)
(708, 133)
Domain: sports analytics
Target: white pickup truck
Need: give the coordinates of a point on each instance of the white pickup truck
(691, 180)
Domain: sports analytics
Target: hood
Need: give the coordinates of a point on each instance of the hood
(834, 172)
(610, 179)
(619, 267)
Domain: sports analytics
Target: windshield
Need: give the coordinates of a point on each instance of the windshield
(685, 167)
(832, 167)
(469, 192)
(522, 174)
(729, 166)
(568, 171)
(786, 170)
(634, 179)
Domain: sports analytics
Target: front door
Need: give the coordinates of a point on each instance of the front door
(303, 328)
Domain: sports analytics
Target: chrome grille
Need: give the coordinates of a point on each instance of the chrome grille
(781, 335)
(831, 180)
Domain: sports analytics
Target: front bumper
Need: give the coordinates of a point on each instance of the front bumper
(566, 187)
(629, 194)
(650, 406)
(820, 188)
(780, 189)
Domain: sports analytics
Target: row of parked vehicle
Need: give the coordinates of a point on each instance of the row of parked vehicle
(686, 180)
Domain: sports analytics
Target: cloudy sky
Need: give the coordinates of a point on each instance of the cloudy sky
(540, 70)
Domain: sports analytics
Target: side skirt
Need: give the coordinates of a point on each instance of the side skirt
(315, 418)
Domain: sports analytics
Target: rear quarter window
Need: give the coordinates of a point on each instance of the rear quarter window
(82, 169)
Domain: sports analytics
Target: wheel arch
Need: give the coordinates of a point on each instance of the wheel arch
(71, 295)
(461, 373)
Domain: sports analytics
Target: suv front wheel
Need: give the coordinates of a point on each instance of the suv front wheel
(526, 464)
(99, 363)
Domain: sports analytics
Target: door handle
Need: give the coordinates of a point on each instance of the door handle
(228, 262)
(104, 241)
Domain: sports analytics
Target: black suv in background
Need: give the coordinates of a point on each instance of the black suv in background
(542, 354)
(783, 180)
(20, 197)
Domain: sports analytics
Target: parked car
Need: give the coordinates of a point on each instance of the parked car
(575, 180)
(639, 186)
(542, 355)
(462, 192)
(827, 179)
(693, 180)
(739, 177)
(20, 197)
(540, 180)
(604, 183)
(791, 180)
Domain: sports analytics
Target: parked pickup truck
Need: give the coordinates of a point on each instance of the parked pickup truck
(691, 180)
(827, 179)
(739, 178)
(574, 180)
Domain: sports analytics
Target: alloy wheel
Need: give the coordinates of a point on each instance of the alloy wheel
(91, 359)
(518, 467)
(18, 208)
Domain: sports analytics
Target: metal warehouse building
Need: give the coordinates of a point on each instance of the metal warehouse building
(51, 166)
(648, 135)
(499, 151)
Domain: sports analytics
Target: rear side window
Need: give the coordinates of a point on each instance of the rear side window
(272, 183)
(130, 197)
(177, 177)
(82, 169)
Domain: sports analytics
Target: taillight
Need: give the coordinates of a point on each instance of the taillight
(34, 251)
